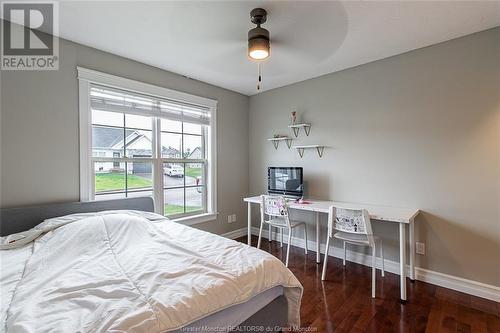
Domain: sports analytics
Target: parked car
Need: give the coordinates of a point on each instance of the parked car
(173, 170)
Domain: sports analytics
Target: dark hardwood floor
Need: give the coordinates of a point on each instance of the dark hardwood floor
(343, 302)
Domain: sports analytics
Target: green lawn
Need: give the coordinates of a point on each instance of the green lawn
(175, 209)
(116, 181)
(193, 172)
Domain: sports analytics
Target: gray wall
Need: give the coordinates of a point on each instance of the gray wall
(420, 129)
(39, 131)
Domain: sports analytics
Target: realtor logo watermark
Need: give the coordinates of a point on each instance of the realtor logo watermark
(28, 31)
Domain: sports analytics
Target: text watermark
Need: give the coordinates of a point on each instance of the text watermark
(29, 36)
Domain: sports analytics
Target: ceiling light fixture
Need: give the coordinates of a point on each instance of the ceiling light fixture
(258, 40)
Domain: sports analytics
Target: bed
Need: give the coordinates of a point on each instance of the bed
(116, 266)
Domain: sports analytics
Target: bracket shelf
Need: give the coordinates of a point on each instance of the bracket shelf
(276, 141)
(296, 128)
(319, 148)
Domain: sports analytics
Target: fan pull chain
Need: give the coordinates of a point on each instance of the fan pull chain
(259, 81)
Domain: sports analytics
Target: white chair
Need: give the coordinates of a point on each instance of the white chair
(276, 208)
(353, 226)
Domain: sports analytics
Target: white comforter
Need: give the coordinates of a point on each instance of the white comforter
(124, 273)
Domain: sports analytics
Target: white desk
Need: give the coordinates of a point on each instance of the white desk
(402, 216)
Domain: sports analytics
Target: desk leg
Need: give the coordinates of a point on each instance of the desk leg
(318, 256)
(249, 221)
(412, 250)
(402, 260)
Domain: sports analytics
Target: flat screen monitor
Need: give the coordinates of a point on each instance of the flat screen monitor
(286, 181)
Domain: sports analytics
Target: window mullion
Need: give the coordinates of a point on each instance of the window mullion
(184, 181)
(122, 159)
(125, 153)
(92, 187)
(182, 141)
(205, 169)
(124, 136)
(184, 166)
(158, 193)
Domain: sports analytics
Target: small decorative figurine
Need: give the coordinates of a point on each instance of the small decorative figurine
(294, 117)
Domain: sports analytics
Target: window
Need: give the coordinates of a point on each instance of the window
(184, 181)
(116, 154)
(142, 140)
(125, 137)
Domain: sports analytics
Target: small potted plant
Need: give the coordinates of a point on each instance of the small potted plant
(294, 117)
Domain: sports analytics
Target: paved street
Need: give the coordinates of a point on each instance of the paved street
(172, 196)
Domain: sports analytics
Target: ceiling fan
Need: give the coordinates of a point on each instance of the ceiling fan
(259, 43)
(258, 37)
(280, 39)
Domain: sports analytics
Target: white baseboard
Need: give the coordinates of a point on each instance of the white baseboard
(236, 233)
(440, 279)
(470, 287)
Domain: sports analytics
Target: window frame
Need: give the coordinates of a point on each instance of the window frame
(87, 77)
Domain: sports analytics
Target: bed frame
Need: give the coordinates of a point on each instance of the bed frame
(19, 219)
(13, 220)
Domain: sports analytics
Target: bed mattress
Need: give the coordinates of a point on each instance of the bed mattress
(117, 271)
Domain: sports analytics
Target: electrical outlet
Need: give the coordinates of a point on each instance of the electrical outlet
(234, 217)
(420, 248)
(229, 219)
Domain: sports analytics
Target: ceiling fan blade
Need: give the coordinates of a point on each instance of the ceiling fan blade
(230, 61)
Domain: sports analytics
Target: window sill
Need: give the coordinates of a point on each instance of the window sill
(196, 219)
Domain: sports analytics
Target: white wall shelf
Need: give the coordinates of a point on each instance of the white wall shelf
(296, 128)
(276, 141)
(319, 149)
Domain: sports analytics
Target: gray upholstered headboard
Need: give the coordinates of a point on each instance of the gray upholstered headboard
(14, 220)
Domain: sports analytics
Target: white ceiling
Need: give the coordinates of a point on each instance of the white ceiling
(206, 40)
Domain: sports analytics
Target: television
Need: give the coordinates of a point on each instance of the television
(287, 181)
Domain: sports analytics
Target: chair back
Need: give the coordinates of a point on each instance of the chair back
(354, 221)
(276, 207)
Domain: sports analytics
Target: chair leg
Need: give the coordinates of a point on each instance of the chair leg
(305, 236)
(373, 271)
(382, 256)
(325, 260)
(270, 238)
(288, 246)
(343, 260)
(260, 234)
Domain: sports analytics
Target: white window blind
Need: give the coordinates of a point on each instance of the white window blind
(115, 100)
